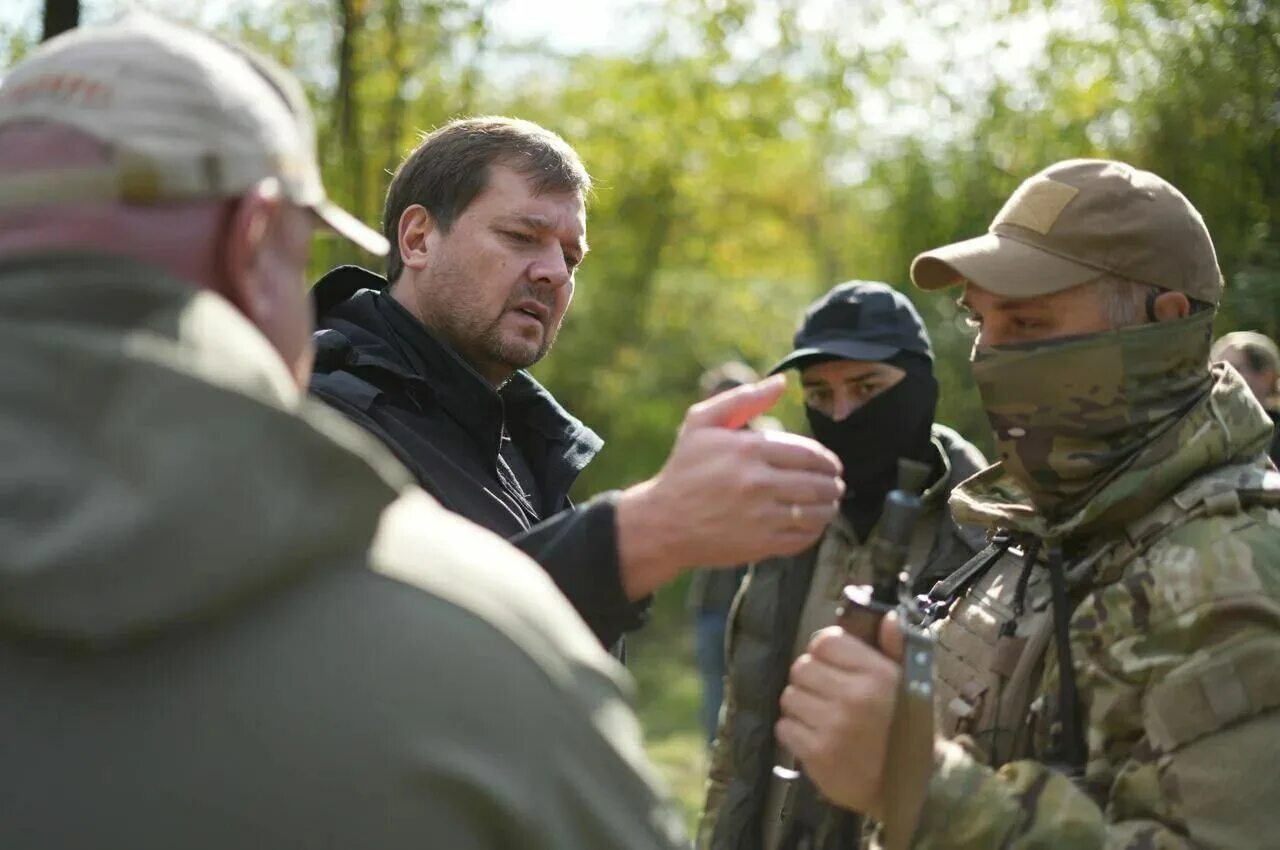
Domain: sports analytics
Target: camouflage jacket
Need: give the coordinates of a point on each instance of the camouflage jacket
(1175, 647)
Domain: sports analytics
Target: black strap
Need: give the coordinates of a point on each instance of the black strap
(1152, 295)
(805, 817)
(1072, 745)
(938, 600)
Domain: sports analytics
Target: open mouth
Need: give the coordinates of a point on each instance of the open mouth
(533, 310)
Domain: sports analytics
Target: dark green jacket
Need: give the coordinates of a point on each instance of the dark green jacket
(228, 620)
(762, 634)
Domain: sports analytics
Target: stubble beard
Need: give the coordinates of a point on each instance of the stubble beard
(480, 341)
(508, 350)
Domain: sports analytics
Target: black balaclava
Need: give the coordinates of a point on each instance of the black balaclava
(870, 440)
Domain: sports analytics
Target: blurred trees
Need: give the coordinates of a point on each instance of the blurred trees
(751, 154)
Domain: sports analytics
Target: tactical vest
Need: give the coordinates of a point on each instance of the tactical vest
(995, 644)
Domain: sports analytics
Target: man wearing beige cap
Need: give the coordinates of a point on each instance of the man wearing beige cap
(1107, 673)
(1257, 359)
(227, 617)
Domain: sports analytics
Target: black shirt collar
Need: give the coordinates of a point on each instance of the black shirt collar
(468, 398)
(354, 301)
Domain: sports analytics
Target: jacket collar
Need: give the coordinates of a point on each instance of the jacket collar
(383, 335)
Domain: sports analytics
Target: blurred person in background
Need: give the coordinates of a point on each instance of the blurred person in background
(487, 224)
(866, 368)
(227, 616)
(1257, 360)
(711, 591)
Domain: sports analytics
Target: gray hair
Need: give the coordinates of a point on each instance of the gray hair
(1124, 301)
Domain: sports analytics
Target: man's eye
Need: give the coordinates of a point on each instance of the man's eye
(868, 389)
(517, 236)
(571, 261)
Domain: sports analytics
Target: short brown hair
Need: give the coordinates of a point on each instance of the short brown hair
(450, 167)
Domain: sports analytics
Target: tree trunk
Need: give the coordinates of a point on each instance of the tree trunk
(393, 119)
(351, 16)
(60, 16)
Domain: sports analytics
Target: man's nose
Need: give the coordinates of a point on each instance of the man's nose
(843, 407)
(551, 269)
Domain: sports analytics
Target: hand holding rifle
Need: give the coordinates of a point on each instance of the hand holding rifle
(856, 716)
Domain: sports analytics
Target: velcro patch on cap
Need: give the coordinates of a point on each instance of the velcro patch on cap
(1036, 205)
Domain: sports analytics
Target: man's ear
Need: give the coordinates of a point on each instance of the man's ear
(1171, 305)
(251, 221)
(416, 224)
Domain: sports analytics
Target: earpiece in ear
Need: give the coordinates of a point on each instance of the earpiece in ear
(1152, 295)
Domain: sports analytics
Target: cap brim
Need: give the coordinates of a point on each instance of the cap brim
(845, 349)
(345, 224)
(1001, 265)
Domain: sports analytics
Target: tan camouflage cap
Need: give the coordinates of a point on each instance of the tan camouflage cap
(185, 115)
(1073, 222)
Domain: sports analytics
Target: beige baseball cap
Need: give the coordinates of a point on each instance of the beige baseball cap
(1076, 221)
(186, 116)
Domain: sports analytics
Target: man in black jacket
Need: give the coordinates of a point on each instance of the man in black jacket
(487, 225)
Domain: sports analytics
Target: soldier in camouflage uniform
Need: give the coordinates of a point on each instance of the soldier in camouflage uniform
(1108, 670)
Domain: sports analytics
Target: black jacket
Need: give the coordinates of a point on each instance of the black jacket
(377, 364)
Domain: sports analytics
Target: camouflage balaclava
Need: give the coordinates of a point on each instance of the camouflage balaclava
(1069, 414)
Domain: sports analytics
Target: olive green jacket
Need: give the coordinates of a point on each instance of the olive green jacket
(227, 619)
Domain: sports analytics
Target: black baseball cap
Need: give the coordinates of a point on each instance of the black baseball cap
(858, 320)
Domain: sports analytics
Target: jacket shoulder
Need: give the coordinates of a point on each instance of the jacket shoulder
(1210, 580)
(505, 593)
(966, 459)
(1213, 558)
(1223, 516)
(345, 388)
(421, 544)
(341, 283)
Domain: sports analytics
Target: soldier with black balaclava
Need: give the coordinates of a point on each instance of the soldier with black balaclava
(866, 366)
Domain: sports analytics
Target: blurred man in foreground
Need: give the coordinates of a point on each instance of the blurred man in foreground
(866, 366)
(1106, 676)
(227, 619)
(487, 225)
(1256, 358)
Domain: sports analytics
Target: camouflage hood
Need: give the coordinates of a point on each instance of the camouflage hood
(1187, 419)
